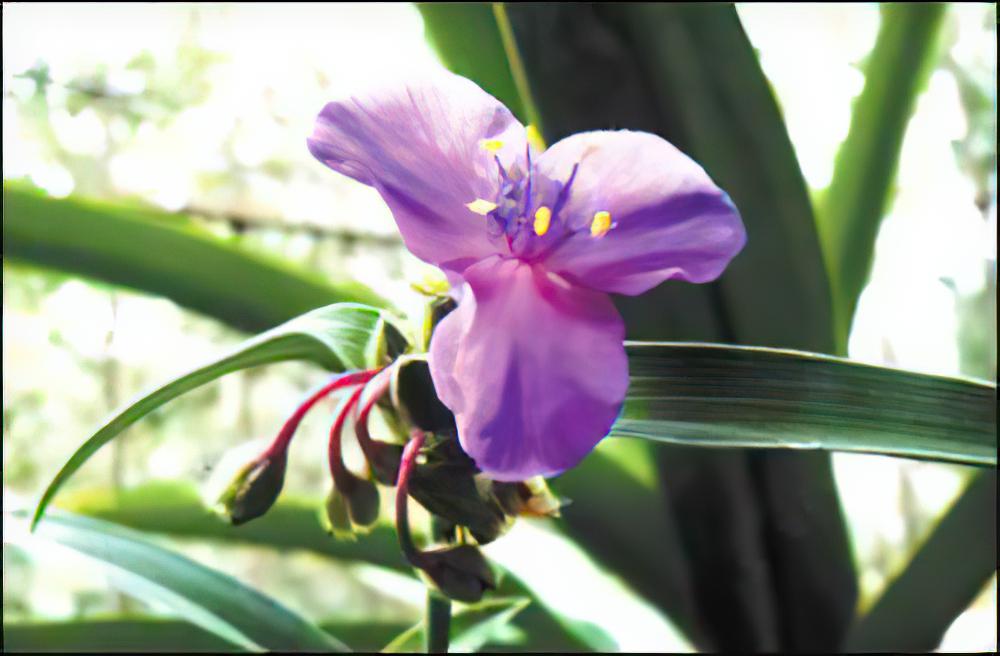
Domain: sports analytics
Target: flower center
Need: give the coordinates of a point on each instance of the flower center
(528, 208)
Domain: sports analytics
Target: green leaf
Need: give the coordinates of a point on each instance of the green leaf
(337, 337)
(738, 396)
(940, 581)
(293, 523)
(112, 635)
(467, 40)
(471, 627)
(607, 502)
(214, 601)
(166, 254)
(851, 211)
(154, 634)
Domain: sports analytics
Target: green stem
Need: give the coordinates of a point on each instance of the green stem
(438, 606)
(516, 65)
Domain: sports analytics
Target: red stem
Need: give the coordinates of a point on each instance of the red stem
(361, 422)
(406, 466)
(291, 425)
(342, 478)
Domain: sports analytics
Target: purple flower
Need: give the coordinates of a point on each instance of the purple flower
(532, 362)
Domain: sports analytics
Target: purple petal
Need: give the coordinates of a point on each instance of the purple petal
(669, 220)
(419, 143)
(533, 368)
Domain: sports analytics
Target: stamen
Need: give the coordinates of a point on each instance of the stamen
(543, 218)
(564, 192)
(601, 224)
(481, 206)
(492, 145)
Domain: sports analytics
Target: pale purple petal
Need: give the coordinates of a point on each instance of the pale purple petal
(420, 144)
(533, 368)
(669, 220)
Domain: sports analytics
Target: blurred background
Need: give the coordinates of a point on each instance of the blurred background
(205, 110)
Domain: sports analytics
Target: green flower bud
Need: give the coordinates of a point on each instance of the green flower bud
(337, 516)
(353, 509)
(254, 489)
(460, 573)
(412, 392)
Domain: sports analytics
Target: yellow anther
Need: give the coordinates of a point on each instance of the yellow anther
(543, 217)
(601, 224)
(492, 145)
(481, 206)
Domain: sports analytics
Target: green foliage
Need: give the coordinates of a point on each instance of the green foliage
(466, 38)
(149, 634)
(942, 579)
(338, 337)
(165, 254)
(214, 601)
(728, 396)
(472, 627)
(859, 194)
(293, 523)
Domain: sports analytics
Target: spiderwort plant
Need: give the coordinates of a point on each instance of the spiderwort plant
(532, 361)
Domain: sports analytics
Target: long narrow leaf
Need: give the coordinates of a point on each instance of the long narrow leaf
(728, 396)
(154, 634)
(166, 254)
(951, 567)
(293, 523)
(851, 211)
(210, 599)
(338, 337)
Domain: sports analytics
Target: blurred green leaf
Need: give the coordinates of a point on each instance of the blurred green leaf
(471, 626)
(338, 337)
(859, 194)
(293, 523)
(944, 576)
(153, 634)
(741, 396)
(607, 502)
(166, 254)
(214, 601)
(466, 37)
(112, 635)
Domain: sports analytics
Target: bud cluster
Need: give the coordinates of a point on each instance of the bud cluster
(431, 467)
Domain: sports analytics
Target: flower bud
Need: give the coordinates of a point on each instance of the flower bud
(460, 573)
(531, 498)
(384, 461)
(254, 489)
(337, 516)
(412, 392)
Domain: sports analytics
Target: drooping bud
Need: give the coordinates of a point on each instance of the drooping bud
(448, 485)
(337, 516)
(351, 511)
(254, 489)
(460, 573)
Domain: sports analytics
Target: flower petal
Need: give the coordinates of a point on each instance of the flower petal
(533, 368)
(667, 217)
(428, 146)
